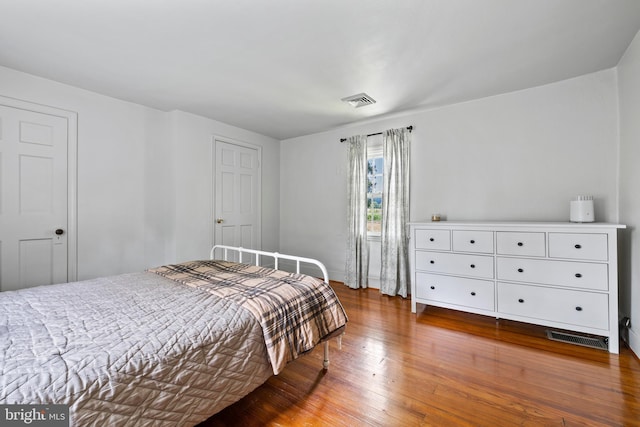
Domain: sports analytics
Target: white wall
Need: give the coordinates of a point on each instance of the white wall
(629, 96)
(111, 170)
(192, 156)
(144, 177)
(517, 156)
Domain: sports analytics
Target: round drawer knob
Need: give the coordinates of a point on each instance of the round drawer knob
(520, 244)
(578, 275)
(431, 239)
(472, 266)
(472, 241)
(432, 262)
(578, 308)
(473, 294)
(520, 300)
(577, 246)
(520, 270)
(432, 287)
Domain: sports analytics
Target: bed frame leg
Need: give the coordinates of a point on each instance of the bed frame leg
(325, 362)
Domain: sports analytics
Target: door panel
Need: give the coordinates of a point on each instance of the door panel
(247, 194)
(37, 133)
(246, 235)
(227, 196)
(36, 264)
(34, 198)
(35, 185)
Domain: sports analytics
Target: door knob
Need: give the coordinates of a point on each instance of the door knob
(59, 231)
(219, 220)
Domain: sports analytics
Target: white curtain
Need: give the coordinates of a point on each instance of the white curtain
(357, 266)
(394, 273)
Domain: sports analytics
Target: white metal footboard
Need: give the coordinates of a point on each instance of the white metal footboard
(276, 257)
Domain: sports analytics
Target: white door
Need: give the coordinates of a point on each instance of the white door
(33, 198)
(237, 195)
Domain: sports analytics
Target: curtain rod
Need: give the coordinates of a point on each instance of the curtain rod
(410, 128)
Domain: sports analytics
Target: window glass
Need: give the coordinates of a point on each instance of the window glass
(374, 192)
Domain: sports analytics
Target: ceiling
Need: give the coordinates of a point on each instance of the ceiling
(281, 67)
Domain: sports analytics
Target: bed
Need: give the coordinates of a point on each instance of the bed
(169, 346)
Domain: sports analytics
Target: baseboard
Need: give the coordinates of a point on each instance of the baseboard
(634, 342)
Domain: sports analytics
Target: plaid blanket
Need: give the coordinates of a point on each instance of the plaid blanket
(295, 311)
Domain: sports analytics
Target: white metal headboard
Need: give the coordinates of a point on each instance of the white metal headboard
(275, 255)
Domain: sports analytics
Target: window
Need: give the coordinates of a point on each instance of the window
(375, 168)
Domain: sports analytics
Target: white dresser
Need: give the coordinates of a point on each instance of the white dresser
(561, 275)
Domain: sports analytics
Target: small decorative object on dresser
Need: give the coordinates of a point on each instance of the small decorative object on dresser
(556, 274)
(581, 209)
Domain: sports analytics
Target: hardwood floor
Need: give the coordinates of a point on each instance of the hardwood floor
(443, 368)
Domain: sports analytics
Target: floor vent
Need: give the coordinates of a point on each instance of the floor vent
(599, 343)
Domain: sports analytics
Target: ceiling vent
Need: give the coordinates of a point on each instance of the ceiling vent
(359, 100)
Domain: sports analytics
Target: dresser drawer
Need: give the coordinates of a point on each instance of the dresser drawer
(433, 239)
(578, 246)
(473, 241)
(456, 290)
(582, 275)
(459, 264)
(570, 307)
(523, 244)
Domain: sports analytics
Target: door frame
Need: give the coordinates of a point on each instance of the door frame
(72, 173)
(212, 216)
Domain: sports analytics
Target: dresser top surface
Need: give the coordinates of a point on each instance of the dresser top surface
(511, 224)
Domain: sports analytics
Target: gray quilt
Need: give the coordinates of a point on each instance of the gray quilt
(135, 349)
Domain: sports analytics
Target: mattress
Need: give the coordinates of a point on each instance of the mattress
(135, 349)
